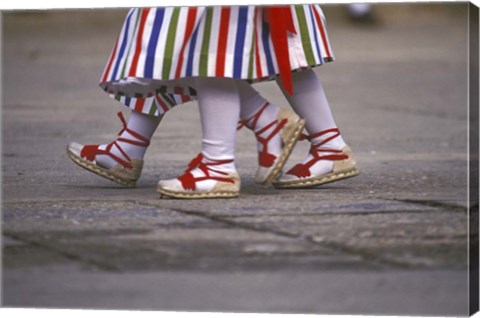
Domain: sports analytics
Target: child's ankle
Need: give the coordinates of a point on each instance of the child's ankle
(223, 164)
(330, 141)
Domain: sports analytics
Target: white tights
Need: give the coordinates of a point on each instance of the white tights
(310, 102)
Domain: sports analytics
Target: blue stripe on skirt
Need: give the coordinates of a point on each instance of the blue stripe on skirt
(122, 47)
(268, 54)
(240, 41)
(191, 52)
(152, 43)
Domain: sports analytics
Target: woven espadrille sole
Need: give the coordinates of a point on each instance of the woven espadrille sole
(197, 195)
(313, 182)
(92, 167)
(289, 143)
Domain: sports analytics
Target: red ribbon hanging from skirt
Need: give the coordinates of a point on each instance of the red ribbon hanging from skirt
(280, 21)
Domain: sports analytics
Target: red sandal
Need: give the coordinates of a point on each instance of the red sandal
(300, 176)
(226, 185)
(126, 172)
(289, 126)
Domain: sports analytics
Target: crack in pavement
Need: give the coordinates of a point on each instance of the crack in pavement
(435, 204)
(67, 255)
(365, 255)
(335, 213)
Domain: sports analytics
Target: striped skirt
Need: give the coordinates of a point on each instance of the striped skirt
(160, 51)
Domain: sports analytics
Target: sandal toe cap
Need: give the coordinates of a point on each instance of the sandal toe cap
(170, 184)
(75, 148)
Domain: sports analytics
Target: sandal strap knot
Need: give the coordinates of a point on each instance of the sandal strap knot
(187, 180)
(300, 170)
(90, 151)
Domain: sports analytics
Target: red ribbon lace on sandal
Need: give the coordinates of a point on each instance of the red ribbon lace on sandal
(188, 181)
(265, 159)
(302, 170)
(90, 151)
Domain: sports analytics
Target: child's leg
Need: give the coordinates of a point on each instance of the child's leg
(329, 153)
(219, 107)
(275, 128)
(310, 102)
(251, 104)
(122, 159)
(213, 173)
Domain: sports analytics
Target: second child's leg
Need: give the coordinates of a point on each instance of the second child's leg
(276, 130)
(329, 159)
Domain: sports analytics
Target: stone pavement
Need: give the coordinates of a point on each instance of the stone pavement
(390, 241)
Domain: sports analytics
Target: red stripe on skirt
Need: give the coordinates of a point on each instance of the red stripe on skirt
(192, 14)
(138, 45)
(258, 64)
(162, 103)
(322, 31)
(110, 62)
(139, 104)
(222, 42)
